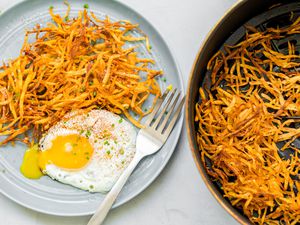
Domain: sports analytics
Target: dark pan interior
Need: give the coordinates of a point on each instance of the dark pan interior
(276, 17)
(230, 31)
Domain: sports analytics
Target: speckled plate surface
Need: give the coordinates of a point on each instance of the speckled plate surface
(51, 197)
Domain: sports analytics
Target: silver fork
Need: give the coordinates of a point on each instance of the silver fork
(149, 140)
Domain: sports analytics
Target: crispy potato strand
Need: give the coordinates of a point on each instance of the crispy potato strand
(79, 63)
(240, 126)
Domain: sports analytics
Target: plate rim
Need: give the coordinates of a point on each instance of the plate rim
(170, 152)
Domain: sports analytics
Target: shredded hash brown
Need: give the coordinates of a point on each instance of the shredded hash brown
(241, 125)
(79, 63)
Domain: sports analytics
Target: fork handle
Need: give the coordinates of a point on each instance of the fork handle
(110, 198)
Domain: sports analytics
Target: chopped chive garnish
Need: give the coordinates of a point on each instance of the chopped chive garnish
(123, 162)
(87, 157)
(94, 93)
(108, 152)
(88, 133)
(121, 120)
(121, 151)
(81, 132)
(164, 79)
(106, 142)
(150, 47)
(86, 6)
(17, 95)
(82, 89)
(51, 7)
(67, 18)
(113, 125)
(170, 87)
(91, 83)
(93, 42)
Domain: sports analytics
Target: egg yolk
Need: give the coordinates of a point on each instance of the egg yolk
(67, 152)
(30, 167)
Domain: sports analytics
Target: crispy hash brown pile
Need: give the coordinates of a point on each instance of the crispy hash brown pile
(79, 63)
(241, 123)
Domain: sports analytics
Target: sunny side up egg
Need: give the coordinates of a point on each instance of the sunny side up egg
(86, 150)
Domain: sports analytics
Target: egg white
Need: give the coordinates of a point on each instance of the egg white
(112, 153)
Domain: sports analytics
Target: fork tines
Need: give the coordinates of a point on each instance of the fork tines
(160, 122)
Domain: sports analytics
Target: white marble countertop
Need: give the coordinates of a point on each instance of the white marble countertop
(178, 196)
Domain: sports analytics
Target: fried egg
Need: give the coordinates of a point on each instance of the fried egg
(87, 150)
